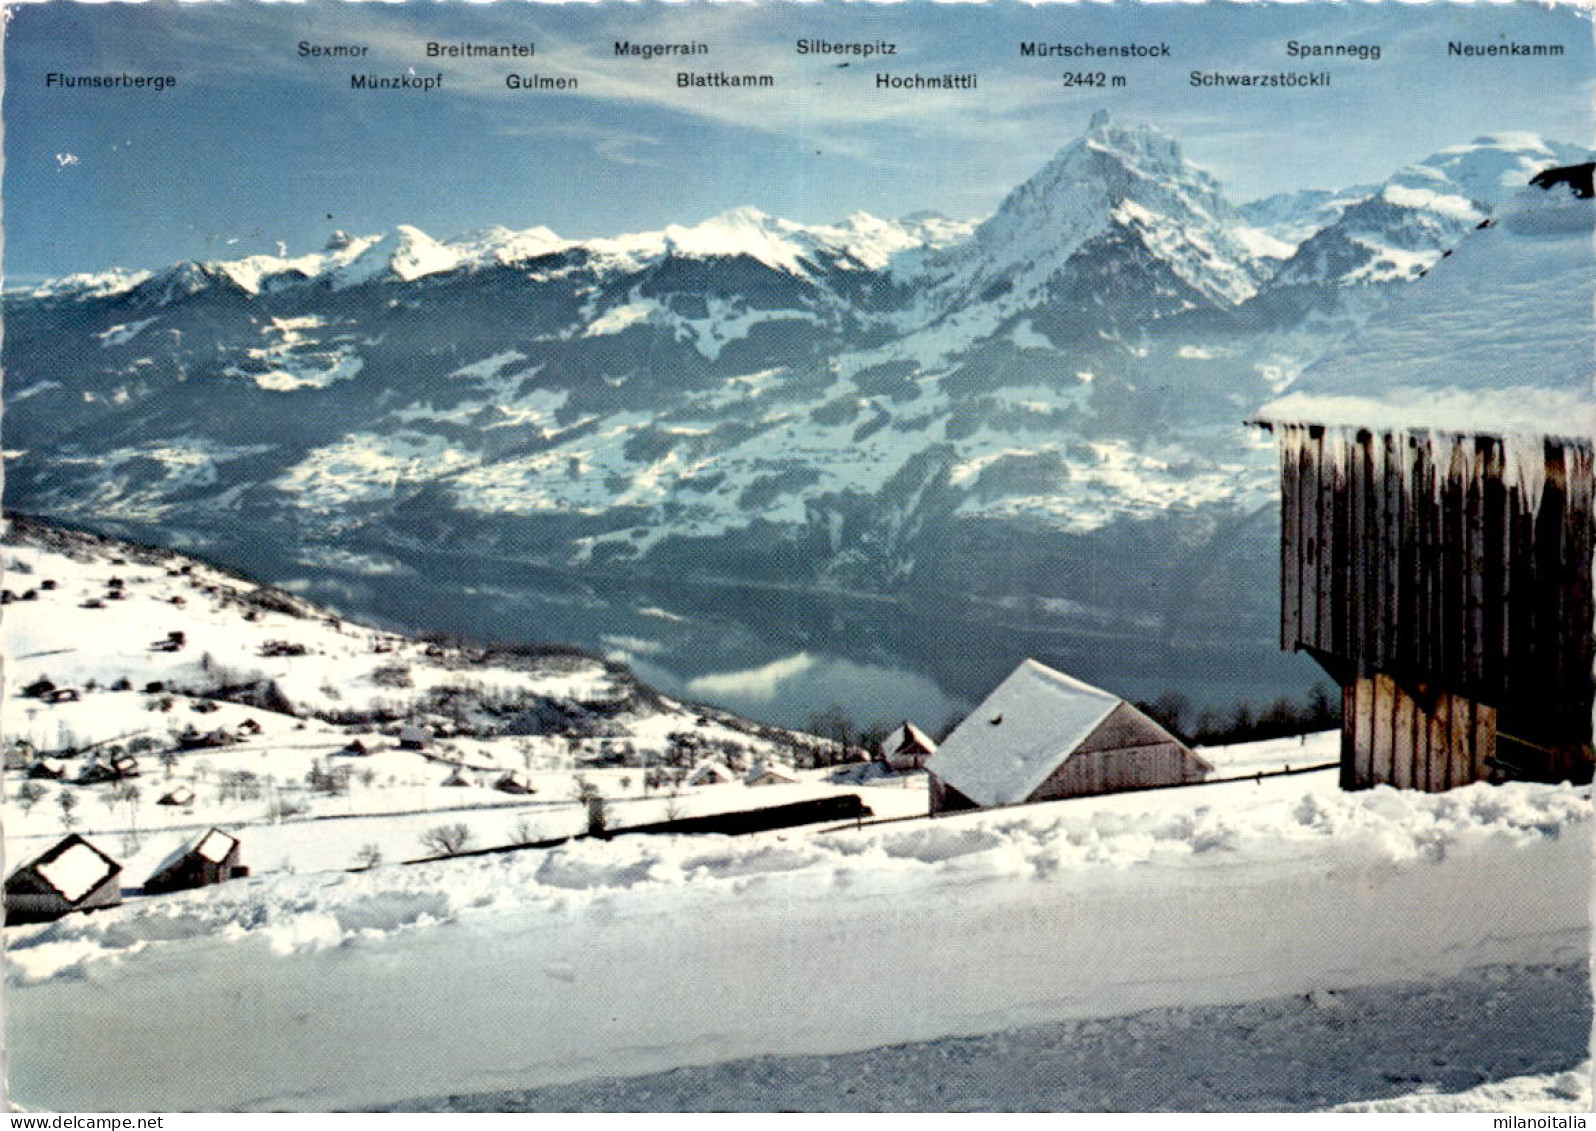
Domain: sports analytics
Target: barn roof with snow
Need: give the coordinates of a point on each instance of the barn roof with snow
(1036, 720)
(710, 772)
(211, 858)
(1497, 339)
(1008, 745)
(907, 747)
(72, 875)
(765, 773)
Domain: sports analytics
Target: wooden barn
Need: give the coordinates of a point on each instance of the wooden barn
(906, 748)
(72, 876)
(213, 858)
(1041, 736)
(1436, 505)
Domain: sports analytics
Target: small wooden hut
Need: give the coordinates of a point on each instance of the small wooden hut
(514, 781)
(178, 795)
(1436, 506)
(906, 748)
(414, 737)
(213, 858)
(1042, 735)
(72, 876)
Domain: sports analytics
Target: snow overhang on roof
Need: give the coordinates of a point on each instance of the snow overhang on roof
(215, 845)
(1019, 734)
(907, 735)
(1498, 339)
(76, 871)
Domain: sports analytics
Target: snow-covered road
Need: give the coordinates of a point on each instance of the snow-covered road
(647, 954)
(1494, 1039)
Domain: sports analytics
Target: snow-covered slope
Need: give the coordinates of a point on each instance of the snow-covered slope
(1497, 339)
(1275, 226)
(288, 725)
(341, 977)
(1404, 227)
(640, 955)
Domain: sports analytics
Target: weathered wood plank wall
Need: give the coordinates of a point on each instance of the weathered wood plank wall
(1418, 557)
(1432, 742)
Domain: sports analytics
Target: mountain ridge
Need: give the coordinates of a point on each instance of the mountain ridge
(860, 406)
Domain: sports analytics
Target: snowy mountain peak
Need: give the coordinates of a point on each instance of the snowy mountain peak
(1117, 179)
(1402, 228)
(1490, 168)
(416, 254)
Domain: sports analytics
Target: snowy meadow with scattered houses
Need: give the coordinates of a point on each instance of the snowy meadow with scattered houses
(156, 703)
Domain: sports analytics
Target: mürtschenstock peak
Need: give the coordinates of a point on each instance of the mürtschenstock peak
(1119, 206)
(1029, 423)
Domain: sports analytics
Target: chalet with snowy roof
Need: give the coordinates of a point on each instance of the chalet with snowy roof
(1436, 498)
(711, 773)
(193, 739)
(72, 876)
(414, 737)
(766, 774)
(906, 748)
(212, 858)
(1042, 735)
(514, 781)
(180, 795)
(95, 771)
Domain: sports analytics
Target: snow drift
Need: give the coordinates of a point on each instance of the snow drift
(639, 955)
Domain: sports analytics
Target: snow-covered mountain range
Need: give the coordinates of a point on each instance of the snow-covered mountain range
(1031, 419)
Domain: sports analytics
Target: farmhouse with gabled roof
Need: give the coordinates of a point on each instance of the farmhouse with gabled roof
(906, 748)
(1042, 735)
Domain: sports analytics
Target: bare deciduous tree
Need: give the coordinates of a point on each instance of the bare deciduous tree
(446, 840)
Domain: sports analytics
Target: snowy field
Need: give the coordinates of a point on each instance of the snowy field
(284, 780)
(642, 955)
(1263, 943)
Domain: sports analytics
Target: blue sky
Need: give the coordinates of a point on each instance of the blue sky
(257, 146)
